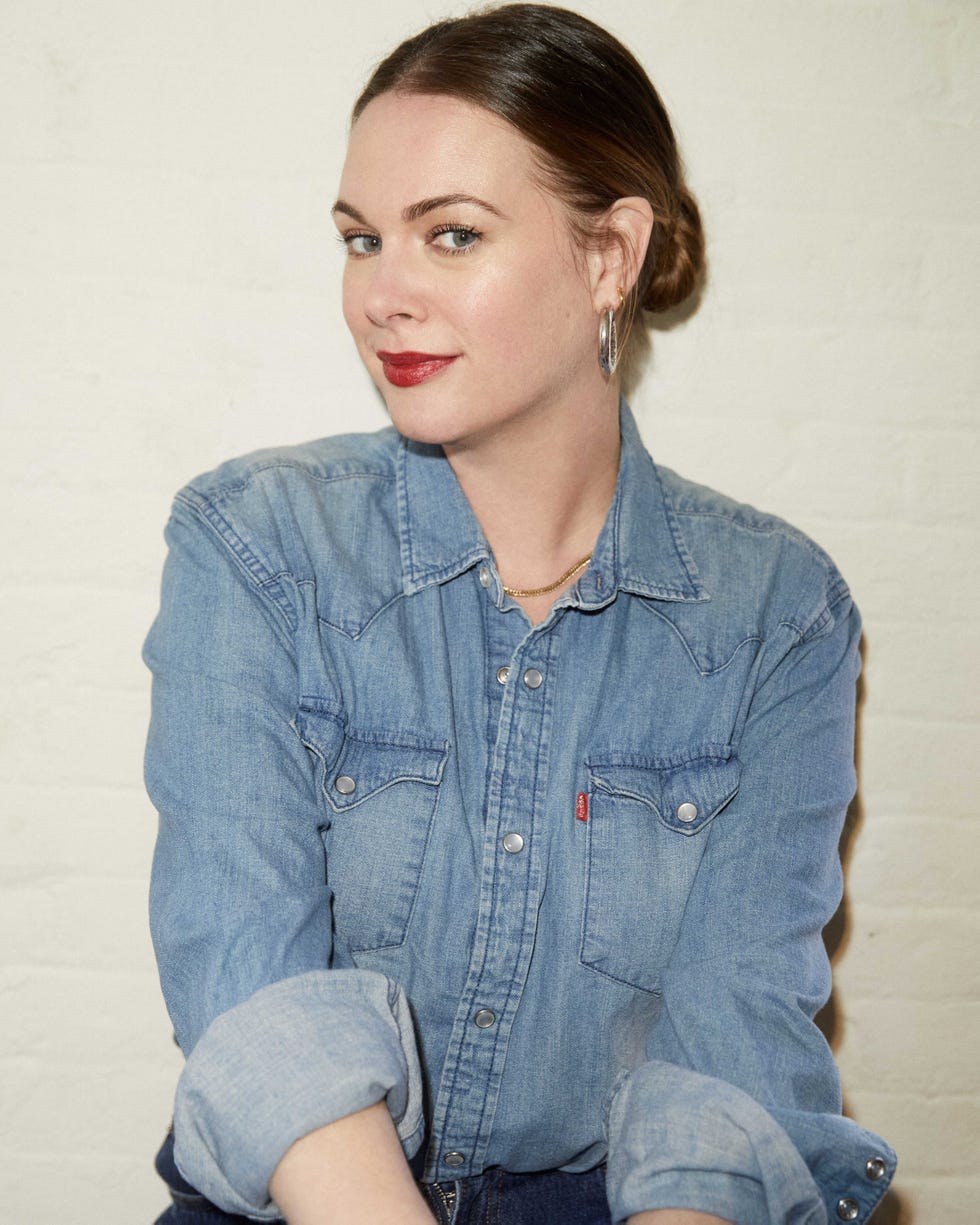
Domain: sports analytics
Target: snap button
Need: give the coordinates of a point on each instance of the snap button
(502, 673)
(513, 843)
(345, 784)
(847, 1209)
(875, 1169)
(485, 577)
(533, 678)
(454, 1158)
(687, 812)
(484, 1018)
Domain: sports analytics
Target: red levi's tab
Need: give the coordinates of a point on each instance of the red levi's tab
(582, 806)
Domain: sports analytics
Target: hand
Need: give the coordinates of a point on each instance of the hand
(351, 1172)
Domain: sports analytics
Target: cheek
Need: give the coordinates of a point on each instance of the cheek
(510, 308)
(543, 312)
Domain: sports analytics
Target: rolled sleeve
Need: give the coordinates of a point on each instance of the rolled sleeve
(279, 1042)
(737, 1111)
(297, 1055)
(682, 1140)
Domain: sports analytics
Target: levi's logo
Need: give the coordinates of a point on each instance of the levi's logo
(582, 806)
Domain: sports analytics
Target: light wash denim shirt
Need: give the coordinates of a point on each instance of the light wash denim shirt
(555, 893)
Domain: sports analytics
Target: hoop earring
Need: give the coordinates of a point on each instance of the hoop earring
(608, 343)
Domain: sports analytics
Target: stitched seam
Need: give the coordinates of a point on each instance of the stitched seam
(756, 638)
(228, 487)
(709, 752)
(247, 561)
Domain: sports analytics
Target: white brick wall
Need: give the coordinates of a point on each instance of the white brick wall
(168, 296)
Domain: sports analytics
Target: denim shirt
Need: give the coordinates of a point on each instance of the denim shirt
(555, 893)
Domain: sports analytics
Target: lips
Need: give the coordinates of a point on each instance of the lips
(409, 369)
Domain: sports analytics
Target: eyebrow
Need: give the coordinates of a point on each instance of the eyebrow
(414, 211)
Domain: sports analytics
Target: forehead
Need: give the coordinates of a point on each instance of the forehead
(407, 147)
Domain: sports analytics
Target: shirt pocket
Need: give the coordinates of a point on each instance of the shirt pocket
(647, 830)
(381, 791)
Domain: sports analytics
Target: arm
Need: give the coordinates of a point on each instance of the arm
(736, 1110)
(675, 1216)
(278, 1044)
(375, 1186)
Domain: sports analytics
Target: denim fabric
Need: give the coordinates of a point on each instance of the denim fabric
(349, 718)
(547, 1198)
(188, 1206)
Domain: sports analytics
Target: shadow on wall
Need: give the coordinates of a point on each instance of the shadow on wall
(893, 1210)
(638, 357)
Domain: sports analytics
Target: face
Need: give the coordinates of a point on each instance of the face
(469, 301)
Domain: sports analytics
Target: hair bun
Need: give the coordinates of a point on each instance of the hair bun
(676, 258)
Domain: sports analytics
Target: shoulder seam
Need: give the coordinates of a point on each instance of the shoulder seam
(220, 490)
(250, 564)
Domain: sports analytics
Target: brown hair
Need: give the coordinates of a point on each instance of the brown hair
(585, 103)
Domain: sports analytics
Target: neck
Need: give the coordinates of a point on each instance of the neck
(542, 497)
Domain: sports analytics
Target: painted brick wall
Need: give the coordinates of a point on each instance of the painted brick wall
(169, 297)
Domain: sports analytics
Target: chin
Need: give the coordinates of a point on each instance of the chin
(417, 418)
(429, 436)
(418, 427)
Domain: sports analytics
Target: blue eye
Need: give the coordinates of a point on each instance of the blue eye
(362, 244)
(454, 239)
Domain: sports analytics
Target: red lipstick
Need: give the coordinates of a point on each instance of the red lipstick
(409, 369)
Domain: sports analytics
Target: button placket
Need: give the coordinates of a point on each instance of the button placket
(508, 887)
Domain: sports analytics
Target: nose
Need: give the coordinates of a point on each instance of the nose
(394, 287)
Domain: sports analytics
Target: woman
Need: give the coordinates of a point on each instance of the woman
(500, 772)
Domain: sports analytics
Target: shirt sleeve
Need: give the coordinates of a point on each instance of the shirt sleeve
(736, 1111)
(277, 1042)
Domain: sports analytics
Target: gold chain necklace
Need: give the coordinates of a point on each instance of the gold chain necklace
(533, 591)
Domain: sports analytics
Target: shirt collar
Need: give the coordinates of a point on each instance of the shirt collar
(440, 536)
(640, 548)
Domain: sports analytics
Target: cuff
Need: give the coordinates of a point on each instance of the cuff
(678, 1139)
(295, 1056)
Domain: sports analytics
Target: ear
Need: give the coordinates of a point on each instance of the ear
(616, 264)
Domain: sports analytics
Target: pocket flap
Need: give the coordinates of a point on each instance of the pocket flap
(685, 797)
(368, 765)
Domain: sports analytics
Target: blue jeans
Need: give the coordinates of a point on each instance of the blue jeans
(493, 1198)
(546, 1198)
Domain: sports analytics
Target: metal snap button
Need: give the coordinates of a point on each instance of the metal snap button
(533, 678)
(484, 1018)
(687, 812)
(345, 784)
(513, 843)
(875, 1169)
(485, 577)
(847, 1209)
(454, 1158)
(502, 673)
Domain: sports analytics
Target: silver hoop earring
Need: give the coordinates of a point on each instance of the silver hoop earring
(608, 343)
